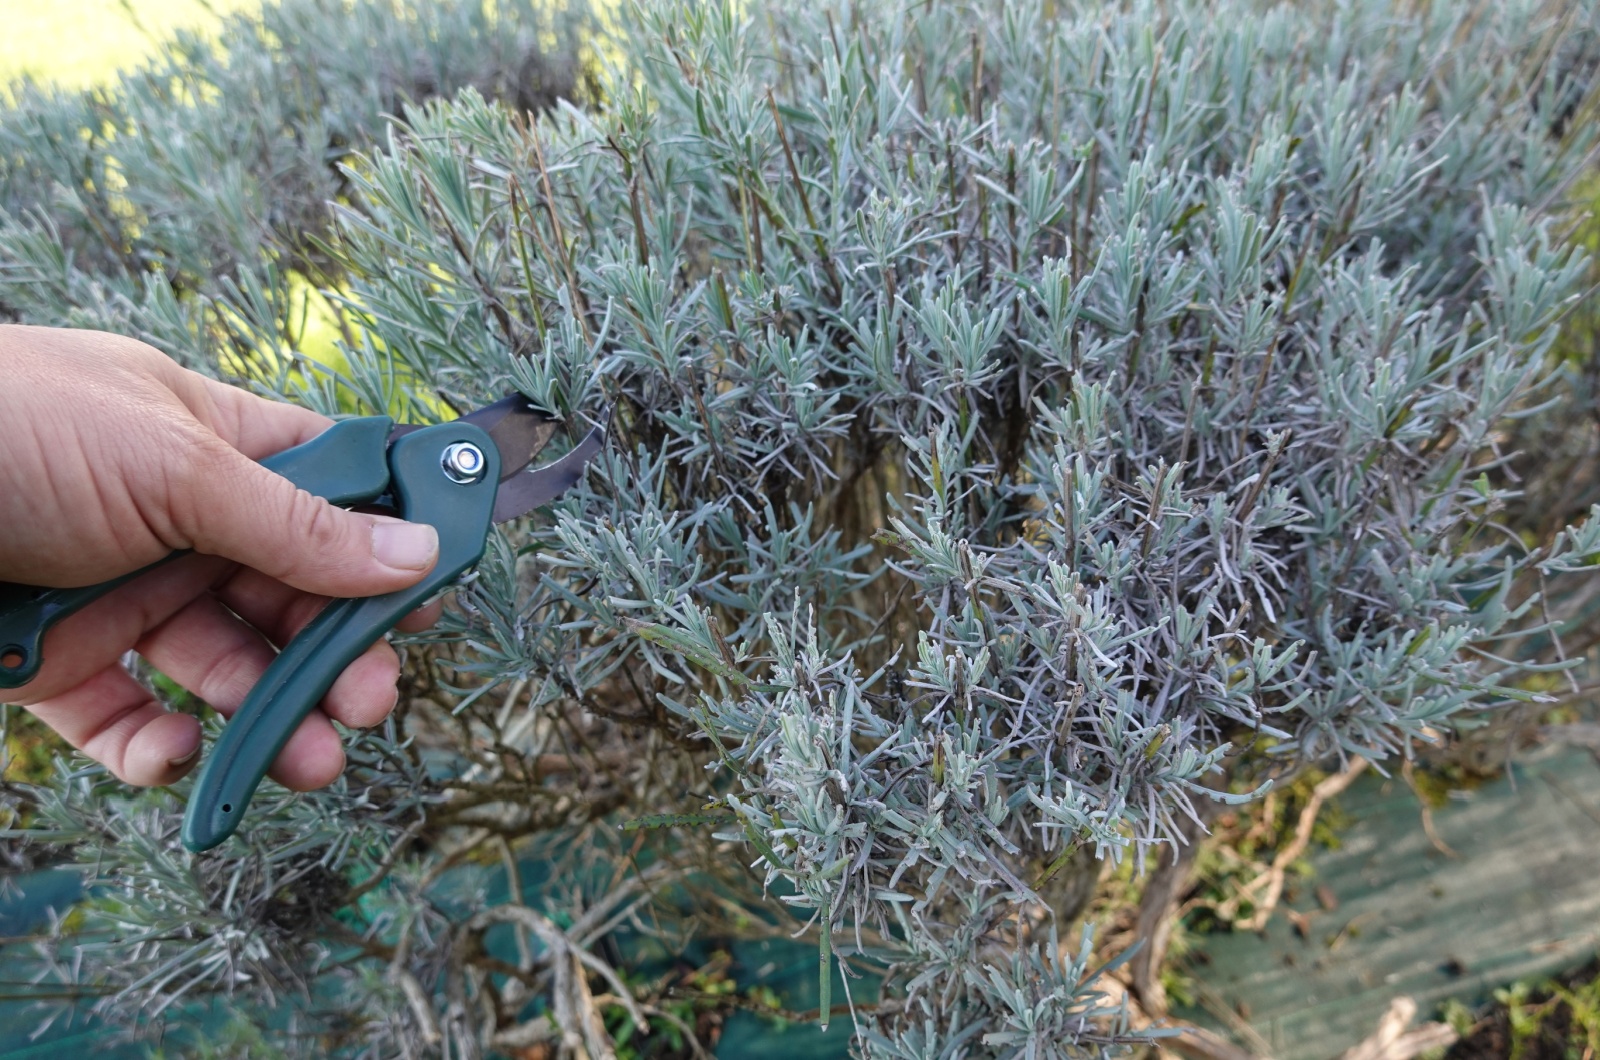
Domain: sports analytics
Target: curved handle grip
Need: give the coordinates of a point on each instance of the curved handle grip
(345, 463)
(302, 674)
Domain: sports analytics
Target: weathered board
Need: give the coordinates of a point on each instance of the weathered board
(1521, 899)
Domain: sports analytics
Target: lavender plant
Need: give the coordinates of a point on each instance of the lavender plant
(183, 202)
(1033, 424)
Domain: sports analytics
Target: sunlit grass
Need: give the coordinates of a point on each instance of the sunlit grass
(77, 43)
(84, 42)
(80, 43)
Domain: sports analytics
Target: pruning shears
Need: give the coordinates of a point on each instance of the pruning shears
(459, 477)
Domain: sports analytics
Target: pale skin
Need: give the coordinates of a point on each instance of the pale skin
(112, 456)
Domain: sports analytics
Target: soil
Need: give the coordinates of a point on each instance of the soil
(1490, 1037)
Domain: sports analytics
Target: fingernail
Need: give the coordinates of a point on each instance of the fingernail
(184, 760)
(404, 546)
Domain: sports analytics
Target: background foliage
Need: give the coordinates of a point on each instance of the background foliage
(1033, 425)
(183, 202)
(87, 42)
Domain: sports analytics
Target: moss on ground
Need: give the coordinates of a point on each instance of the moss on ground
(1548, 1019)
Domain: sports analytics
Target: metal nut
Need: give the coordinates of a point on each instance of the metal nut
(464, 463)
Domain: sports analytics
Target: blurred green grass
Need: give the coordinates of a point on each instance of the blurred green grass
(79, 43)
(83, 42)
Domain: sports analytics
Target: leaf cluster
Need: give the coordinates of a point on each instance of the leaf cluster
(1033, 424)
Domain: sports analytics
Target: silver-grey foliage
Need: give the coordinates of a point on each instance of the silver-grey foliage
(203, 178)
(1032, 423)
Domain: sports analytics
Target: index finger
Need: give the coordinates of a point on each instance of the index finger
(258, 427)
(253, 425)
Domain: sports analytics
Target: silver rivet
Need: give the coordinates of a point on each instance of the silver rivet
(464, 463)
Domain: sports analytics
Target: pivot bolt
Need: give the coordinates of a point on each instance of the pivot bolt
(464, 463)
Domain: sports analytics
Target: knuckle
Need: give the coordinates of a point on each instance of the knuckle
(195, 473)
(323, 526)
(108, 742)
(228, 679)
(320, 536)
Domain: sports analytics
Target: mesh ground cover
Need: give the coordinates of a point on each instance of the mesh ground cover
(1521, 899)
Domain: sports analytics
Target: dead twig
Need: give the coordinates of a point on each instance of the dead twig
(1187, 1039)
(1409, 772)
(1269, 885)
(1391, 1041)
(1196, 1043)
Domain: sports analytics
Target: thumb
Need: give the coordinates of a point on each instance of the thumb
(237, 509)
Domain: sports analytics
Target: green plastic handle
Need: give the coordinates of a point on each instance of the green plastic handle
(346, 464)
(305, 670)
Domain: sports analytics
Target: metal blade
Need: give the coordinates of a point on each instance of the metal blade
(518, 431)
(522, 493)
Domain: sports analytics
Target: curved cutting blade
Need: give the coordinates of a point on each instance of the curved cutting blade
(517, 429)
(522, 493)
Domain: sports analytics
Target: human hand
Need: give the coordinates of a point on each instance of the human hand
(113, 456)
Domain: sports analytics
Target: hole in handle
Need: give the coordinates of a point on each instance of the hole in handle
(227, 807)
(13, 657)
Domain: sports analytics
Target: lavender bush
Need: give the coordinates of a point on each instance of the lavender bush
(1034, 423)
